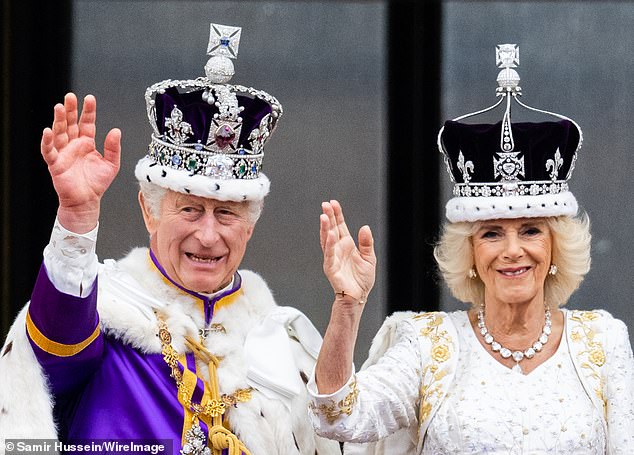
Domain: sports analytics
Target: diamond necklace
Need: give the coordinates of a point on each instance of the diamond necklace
(518, 356)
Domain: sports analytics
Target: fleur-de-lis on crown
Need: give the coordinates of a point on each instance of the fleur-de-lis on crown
(465, 168)
(554, 164)
(259, 135)
(178, 130)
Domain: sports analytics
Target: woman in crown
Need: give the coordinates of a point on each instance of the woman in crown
(514, 373)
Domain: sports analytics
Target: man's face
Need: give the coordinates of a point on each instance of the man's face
(199, 242)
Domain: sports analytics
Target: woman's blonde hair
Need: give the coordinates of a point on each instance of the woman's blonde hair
(570, 253)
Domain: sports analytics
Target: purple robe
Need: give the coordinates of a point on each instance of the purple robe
(108, 390)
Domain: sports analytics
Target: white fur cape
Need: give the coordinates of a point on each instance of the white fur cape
(274, 421)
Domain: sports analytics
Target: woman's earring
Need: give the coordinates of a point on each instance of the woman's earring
(472, 273)
(552, 270)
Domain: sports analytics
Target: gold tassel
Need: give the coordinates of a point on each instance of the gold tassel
(219, 437)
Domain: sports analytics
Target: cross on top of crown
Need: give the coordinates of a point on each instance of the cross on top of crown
(507, 55)
(224, 40)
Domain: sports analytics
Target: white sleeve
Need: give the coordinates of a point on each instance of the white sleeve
(375, 402)
(70, 260)
(620, 390)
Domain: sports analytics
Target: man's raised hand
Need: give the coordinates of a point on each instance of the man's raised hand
(80, 174)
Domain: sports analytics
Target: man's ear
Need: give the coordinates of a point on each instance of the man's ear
(250, 232)
(150, 221)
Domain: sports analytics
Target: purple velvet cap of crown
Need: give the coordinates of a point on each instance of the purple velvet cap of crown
(541, 162)
(199, 113)
(536, 142)
(194, 152)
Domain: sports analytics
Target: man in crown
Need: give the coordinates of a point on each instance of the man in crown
(171, 343)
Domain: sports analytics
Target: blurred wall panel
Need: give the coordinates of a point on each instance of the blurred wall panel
(324, 61)
(575, 59)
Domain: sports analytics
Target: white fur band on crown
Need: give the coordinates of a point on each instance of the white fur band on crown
(199, 185)
(490, 208)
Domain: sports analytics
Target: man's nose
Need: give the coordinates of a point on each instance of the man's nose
(207, 230)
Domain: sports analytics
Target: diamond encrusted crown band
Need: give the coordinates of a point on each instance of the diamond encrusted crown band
(509, 189)
(240, 165)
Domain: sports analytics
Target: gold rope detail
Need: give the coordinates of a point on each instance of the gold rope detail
(219, 436)
(212, 406)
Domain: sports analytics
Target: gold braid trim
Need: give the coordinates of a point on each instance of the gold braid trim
(213, 406)
(333, 410)
(53, 347)
(592, 358)
(433, 372)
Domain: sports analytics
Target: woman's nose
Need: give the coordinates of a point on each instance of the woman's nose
(513, 247)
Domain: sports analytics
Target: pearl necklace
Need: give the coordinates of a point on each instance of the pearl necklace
(518, 356)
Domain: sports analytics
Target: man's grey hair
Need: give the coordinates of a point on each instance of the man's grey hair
(153, 195)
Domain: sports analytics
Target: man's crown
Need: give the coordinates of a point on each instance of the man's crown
(208, 136)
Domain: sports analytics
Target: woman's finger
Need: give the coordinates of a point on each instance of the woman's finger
(340, 221)
(329, 212)
(323, 230)
(366, 244)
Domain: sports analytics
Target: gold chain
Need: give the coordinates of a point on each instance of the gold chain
(212, 408)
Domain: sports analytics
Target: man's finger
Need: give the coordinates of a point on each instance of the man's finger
(70, 106)
(49, 153)
(329, 252)
(88, 117)
(60, 137)
(323, 230)
(112, 147)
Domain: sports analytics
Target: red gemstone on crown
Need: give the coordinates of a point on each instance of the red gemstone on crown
(224, 136)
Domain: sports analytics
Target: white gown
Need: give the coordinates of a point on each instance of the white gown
(580, 401)
(492, 409)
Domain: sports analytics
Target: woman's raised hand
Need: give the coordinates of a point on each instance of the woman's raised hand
(80, 174)
(350, 269)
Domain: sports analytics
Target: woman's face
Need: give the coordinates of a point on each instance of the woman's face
(512, 258)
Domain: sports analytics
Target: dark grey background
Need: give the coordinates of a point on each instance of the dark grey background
(575, 59)
(326, 63)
